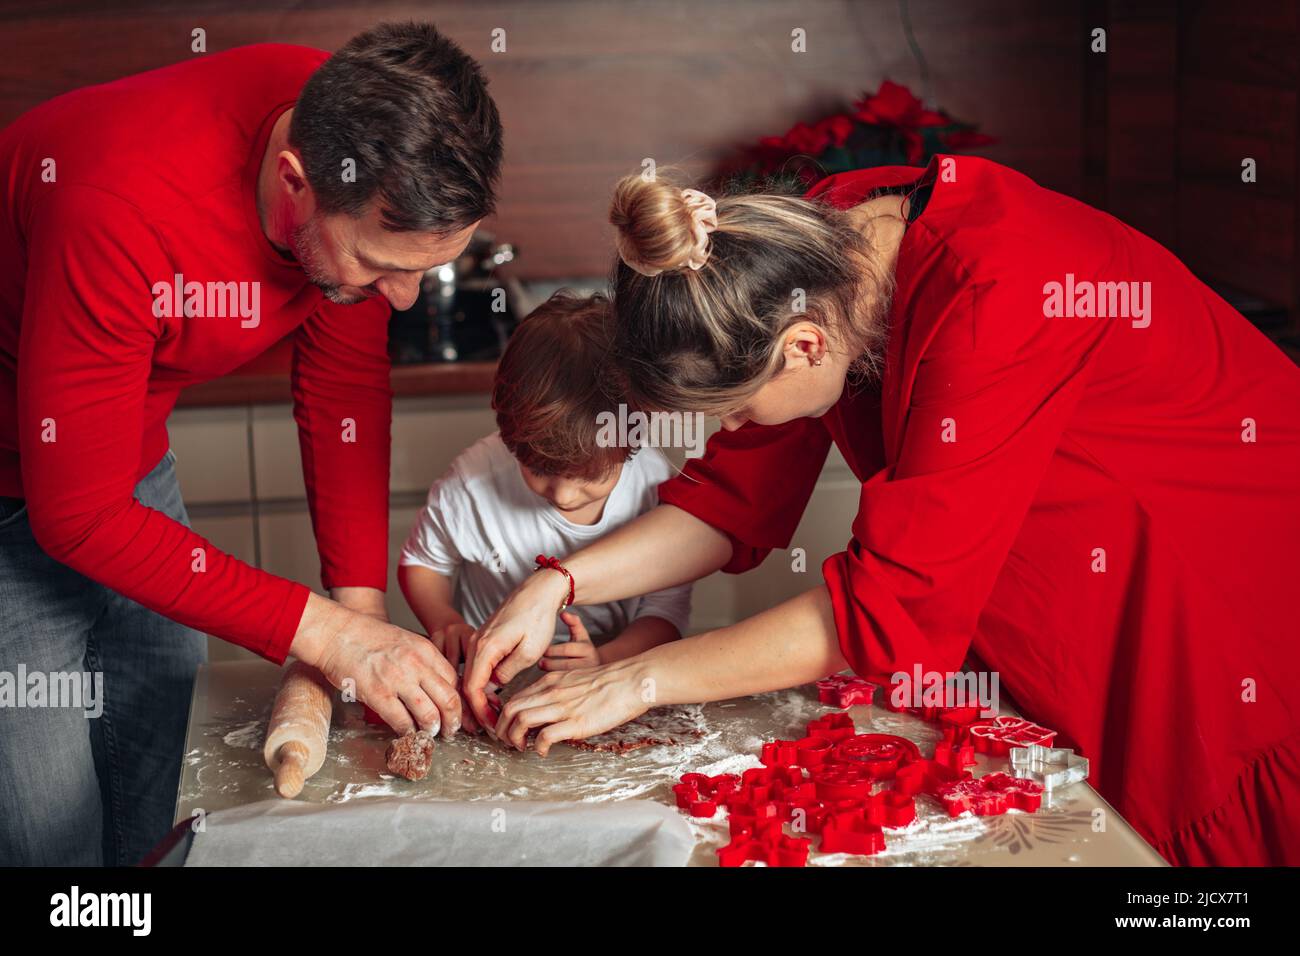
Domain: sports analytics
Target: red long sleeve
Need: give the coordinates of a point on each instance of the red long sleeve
(753, 484)
(933, 532)
(101, 203)
(87, 345)
(343, 402)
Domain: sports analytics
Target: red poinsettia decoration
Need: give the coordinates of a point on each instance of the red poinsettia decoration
(888, 127)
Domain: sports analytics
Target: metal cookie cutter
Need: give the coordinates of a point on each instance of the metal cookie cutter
(1052, 767)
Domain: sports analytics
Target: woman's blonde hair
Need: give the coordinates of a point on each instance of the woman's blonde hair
(707, 339)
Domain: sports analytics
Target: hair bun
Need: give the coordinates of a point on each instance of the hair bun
(656, 232)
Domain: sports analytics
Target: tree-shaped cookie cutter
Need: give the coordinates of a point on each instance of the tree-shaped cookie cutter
(1052, 767)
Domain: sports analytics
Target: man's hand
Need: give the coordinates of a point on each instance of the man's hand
(514, 638)
(577, 652)
(400, 675)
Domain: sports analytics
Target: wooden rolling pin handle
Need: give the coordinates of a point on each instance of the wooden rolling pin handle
(297, 735)
(289, 770)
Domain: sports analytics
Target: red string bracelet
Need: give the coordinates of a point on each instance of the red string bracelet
(545, 562)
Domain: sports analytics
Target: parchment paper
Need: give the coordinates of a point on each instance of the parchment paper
(399, 832)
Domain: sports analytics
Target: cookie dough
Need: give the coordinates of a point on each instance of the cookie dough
(658, 727)
(409, 756)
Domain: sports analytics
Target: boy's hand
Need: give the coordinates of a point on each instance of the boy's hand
(450, 641)
(577, 652)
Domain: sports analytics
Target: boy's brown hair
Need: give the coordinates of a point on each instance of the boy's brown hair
(551, 386)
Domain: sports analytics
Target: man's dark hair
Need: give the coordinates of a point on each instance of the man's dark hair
(413, 110)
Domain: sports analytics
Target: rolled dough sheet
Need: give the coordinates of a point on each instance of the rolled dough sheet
(400, 832)
(657, 727)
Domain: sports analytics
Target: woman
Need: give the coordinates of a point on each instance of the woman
(1080, 466)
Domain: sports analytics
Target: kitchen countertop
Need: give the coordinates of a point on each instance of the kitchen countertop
(265, 381)
(223, 768)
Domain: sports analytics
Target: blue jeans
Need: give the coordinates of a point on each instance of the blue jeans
(75, 788)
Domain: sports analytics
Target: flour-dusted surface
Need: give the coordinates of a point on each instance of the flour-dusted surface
(223, 767)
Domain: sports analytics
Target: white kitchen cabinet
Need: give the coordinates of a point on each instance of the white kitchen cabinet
(277, 462)
(428, 434)
(289, 546)
(399, 525)
(235, 535)
(211, 446)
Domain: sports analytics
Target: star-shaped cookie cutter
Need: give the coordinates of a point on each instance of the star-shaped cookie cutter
(1053, 767)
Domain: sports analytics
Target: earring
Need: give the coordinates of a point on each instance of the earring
(817, 361)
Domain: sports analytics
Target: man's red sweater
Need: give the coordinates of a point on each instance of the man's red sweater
(108, 191)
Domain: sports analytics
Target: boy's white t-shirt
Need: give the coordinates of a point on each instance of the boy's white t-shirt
(482, 525)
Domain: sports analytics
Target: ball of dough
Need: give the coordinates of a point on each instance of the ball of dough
(409, 756)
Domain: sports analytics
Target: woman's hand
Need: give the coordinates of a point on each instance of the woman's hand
(514, 638)
(400, 675)
(576, 704)
(578, 651)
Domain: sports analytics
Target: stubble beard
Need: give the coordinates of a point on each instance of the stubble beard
(305, 244)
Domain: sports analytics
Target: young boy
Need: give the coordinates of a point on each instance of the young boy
(540, 485)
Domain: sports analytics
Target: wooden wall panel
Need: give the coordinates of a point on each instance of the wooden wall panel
(1185, 92)
(588, 88)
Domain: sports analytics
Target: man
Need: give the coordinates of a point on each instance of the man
(159, 231)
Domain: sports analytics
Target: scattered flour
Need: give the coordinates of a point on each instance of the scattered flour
(249, 735)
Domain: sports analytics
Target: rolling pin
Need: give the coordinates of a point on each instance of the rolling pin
(298, 732)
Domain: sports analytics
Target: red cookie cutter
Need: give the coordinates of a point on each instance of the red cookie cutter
(955, 755)
(844, 690)
(765, 820)
(851, 832)
(813, 751)
(807, 817)
(879, 754)
(959, 718)
(997, 735)
(832, 727)
(890, 808)
(808, 752)
(773, 849)
(990, 795)
(956, 715)
(796, 796)
(770, 779)
(778, 753)
(701, 795)
(926, 776)
(838, 781)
